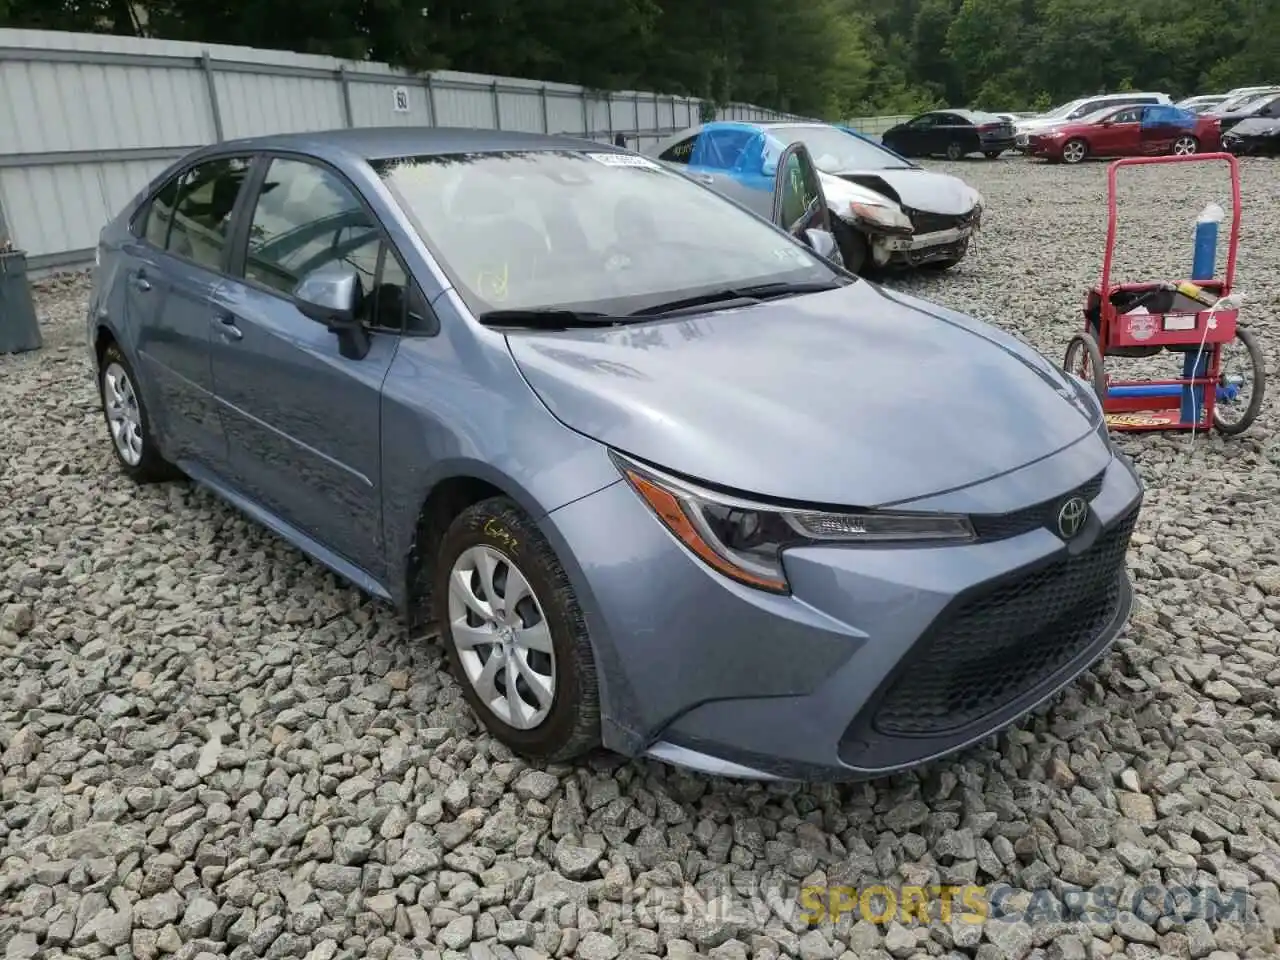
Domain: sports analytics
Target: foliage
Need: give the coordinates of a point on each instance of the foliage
(829, 58)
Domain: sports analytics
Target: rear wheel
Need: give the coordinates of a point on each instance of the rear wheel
(854, 249)
(1246, 373)
(992, 154)
(1073, 151)
(128, 421)
(1185, 145)
(1084, 359)
(954, 150)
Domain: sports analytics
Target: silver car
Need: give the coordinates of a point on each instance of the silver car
(645, 459)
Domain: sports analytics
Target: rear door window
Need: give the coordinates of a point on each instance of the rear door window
(190, 216)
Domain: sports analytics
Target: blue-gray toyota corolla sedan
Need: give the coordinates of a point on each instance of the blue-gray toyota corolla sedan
(666, 479)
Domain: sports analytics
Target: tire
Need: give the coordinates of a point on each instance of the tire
(570, 725)
(955, 151)
(1259, 365)
(1185, 146)
(1073, 151)
(1084, 347)
(128, 422)
(854, 249)
(992, 154)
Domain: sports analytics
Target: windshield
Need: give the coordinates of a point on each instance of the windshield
(1061, 111)
(1244, 100)
(835, 151)
(574, 230)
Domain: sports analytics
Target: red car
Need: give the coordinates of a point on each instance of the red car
(1127, 132)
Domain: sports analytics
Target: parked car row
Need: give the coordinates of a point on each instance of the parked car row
(1143, 123)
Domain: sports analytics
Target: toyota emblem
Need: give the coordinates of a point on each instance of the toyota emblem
(1071, 517)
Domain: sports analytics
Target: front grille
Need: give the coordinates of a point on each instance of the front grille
(996, 647)
(1044, 514)
(924, 222)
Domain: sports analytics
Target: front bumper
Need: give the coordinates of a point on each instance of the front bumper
(934, 237)
(881, 659)
(921, 248)
(1048, 148)
(1251, 146)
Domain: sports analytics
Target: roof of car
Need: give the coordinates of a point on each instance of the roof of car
(381, 143)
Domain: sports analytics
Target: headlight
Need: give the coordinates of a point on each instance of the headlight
(744, 540)
(883, 214)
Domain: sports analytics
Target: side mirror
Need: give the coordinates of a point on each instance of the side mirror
(331, 295)
(823, 243)
(769, 166)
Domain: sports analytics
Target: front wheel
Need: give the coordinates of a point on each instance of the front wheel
(1253, 379)
(1084, 359)
(1185, 146)
(1073, 151)
(515, 634)
(854, 249)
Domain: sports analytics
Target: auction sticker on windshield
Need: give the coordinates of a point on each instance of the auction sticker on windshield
(623, 160)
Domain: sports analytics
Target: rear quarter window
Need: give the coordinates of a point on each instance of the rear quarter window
(679, 152)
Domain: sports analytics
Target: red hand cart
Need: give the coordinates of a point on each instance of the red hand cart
(1145, 319)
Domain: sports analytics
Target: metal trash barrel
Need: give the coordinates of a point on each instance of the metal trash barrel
(19, 329)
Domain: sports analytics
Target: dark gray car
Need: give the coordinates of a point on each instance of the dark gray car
(665, 478)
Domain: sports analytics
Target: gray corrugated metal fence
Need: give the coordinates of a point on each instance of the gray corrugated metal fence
(87, 119)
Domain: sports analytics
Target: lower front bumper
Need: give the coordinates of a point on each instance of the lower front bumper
(1252, 146)
(856, 674)
(923, 247)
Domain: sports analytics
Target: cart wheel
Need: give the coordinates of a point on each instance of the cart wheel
(1254, 382)
(1085, 361)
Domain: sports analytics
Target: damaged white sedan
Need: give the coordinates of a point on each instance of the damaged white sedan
(887, 211)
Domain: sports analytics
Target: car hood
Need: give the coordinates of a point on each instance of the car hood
(1236, 114)
(1036, 124)
(918, 189)
(855, 397)
(1256, 127)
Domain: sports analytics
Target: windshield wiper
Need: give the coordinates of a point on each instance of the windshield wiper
(548, 318)
(752, 293)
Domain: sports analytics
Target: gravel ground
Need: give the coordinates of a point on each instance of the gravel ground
(211, 747)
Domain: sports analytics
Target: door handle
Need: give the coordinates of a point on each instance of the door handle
(225, 324)
(141, 282)
(704, 178)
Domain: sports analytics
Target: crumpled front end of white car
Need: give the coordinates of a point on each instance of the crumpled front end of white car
(899, 234)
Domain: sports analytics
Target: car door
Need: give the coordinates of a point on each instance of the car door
(1118, 135)
(1159, 126)
(176, 265)
(799, 203)
(952, 128)
(302, 419)
(913, 136)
